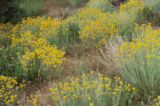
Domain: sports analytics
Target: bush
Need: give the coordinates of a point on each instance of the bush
(27, 55)
(72, 3)
(62, 33)
(35, 55)
(10, 11)
(31, 7)
(105, 5)
(153, 4)
(139, 61)
(9, 91)
(67, 36)
(92, 89)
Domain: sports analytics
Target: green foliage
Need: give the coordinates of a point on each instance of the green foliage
(92, 89)
(150, 13)
(139, 61)
(10, 11)
(72, 3)
(153, 4)
(10, 66)
(76, 2)
(31, 7)
(66, 37)
(127, 33)
(105, 5)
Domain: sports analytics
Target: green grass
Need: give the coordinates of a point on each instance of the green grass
(32, 7)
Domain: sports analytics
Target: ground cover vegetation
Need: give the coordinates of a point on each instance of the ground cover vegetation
(105, 54)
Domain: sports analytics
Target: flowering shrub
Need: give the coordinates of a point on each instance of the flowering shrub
(62, 33)
(139, 60)
(35, 54)
(96, 26)
(98, 31)
(85, 15)
(135, 5)
(26, 48)
(92, 89)
(34, 47)
(9, 90)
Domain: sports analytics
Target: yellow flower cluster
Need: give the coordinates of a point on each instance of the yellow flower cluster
(31, 100)
(56, 31)
(35, 47)
(49, 27)
(41, 26)
(8, 90)
(147, 43)
(96, 32)
(136, 5)
(85, 15)
(96, 26)
(158, 103)
(129, 12)
(88, 88)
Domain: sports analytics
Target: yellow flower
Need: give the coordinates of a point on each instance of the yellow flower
(91, 104)
(158, 97)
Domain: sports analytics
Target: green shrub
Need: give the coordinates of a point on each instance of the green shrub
(105, 5)
(72, 3)
(92, 89)
(68, 36)
(139, 61)
(76, 2)
(10, 11)
(19, 58)
(153, 4)
(150, 13)
(11, 66)
(31, 7)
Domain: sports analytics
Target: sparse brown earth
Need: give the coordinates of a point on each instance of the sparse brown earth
(56, 9)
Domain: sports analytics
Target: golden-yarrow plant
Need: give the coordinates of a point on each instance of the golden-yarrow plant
(139, 60)
(92, 89)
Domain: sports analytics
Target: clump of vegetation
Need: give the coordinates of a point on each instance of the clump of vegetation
(32, 7)
(139, 60)
(9, 90)
(92, 89)
(106, 5)
(28, 55)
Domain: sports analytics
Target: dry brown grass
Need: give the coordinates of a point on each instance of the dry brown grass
(56, 9)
